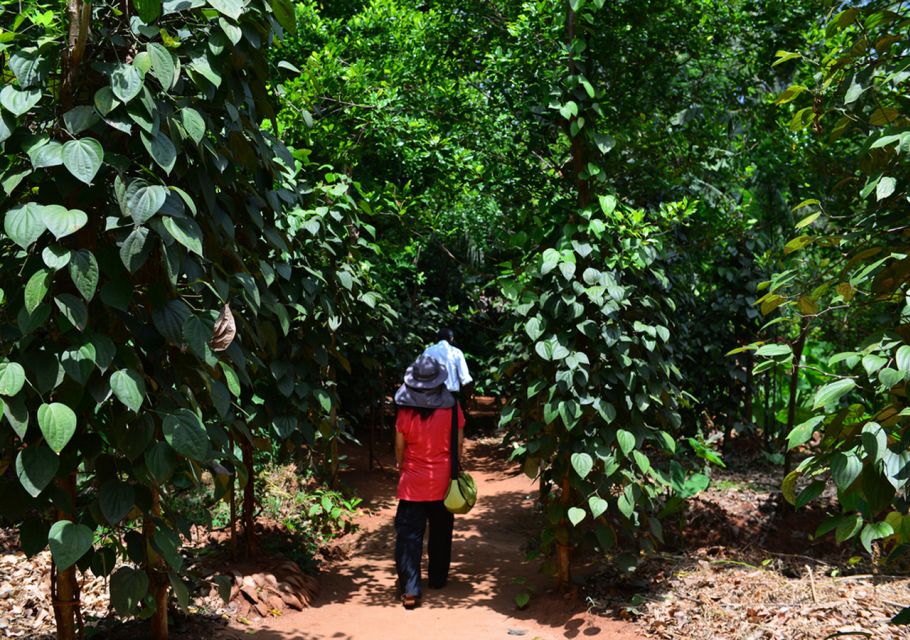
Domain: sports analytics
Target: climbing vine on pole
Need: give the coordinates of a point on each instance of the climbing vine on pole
(146, 277)
(592, 374)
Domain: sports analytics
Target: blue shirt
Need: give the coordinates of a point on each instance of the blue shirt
(453, 359)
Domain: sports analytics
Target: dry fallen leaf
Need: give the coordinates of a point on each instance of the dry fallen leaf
(225, 330)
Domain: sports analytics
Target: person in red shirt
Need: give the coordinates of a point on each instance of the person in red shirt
(423, 441)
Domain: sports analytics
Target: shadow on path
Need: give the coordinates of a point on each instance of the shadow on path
(358, 596)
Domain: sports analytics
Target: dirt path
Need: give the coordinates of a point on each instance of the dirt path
(357, 601)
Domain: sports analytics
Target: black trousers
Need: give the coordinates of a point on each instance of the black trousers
(410, 523)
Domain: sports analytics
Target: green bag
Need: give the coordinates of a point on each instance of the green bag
(462, 493)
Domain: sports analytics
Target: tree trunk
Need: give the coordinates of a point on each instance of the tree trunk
(747, 391)
(767, 425)
(373, 419)
(157, 573)
(333, 445)
(794, 381)
(79, 14)
(563, 533)
(249, 500)
(64, 585)
(332, 377)
(232, 497)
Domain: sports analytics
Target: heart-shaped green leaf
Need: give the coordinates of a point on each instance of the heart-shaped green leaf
(129, 388)
(185, 231)
(644, 464)
(12, 378)
(534, 328)
(185, 433)
(30, 322)
(36, 288)
(48, 374)
(902, 358)
(7, 125)
(831, 393)
(626, 441)
(202, 66)
(19, 102)
(284, 14)
(231, 8)
(29, 66)
(232, 31)
(128, 588)
(582, 463)
(194, 124)
(626, 505)
(169, 320)
(68, 542)
(197, 335)
(126, 82)
(230, 377)
(576, 515)
(103, 561)
(597, 505)
(55, 257)
(105, 350)
(33, 536)
(144, 200)
(24, 224)
(845, 469)
(16, 413)
(802, 432)
(84, 273)
(161, 461)
(167, 543)
(83, 158)
(46, 155)
(78, 363)
(148, 10)
(61, 221)
(875, 531)
(36, 466)
(58, 424)
(161, 149)
(78, 119)
(105, 100)
(116, 500)
(131, 251)
(73, 309)
(164, 65)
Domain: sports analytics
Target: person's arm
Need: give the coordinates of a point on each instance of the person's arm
(399, 448)
(467, 392)
(464, 375)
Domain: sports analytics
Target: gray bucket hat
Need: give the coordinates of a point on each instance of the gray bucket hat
(424, 385)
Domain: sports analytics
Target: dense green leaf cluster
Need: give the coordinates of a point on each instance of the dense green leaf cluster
(187, 297)
(849, 272)
(595, 383)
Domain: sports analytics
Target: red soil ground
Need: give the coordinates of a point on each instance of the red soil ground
(358, 600)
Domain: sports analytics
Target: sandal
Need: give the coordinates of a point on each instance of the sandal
(409, 601)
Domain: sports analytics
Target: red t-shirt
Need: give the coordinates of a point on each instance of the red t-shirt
(425, 469)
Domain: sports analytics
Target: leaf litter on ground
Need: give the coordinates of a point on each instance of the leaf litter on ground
(746, 567)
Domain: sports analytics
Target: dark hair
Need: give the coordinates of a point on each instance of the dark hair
(447, 335)
(424, 412)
